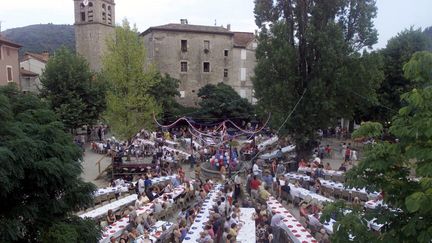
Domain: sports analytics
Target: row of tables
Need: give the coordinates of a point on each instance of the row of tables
(125, 187)
(332, 184)
(203, 216)
(100, 211)
(289, 223)
(117, 227)
(326, 172)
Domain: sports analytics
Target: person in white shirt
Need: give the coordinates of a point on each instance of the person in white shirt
(140, 185)
(314, 220)
(256, 170)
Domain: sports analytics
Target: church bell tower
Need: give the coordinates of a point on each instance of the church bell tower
(94, 24)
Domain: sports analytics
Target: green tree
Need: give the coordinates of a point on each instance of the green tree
(221, 101)
(72, 89)
(165, 92)
(40, 175)
(313, 47)
(398, 51)
(388, 166)
(130, 104)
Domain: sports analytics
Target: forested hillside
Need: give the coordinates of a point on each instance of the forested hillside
(42, 37)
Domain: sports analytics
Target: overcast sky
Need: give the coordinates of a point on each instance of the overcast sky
(393, 15)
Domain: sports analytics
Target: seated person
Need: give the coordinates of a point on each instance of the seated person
(110, 218)
(150, 194)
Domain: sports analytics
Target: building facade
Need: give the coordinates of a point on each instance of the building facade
(199, 55)
(94, 24)
(9, 63)
(32, 66)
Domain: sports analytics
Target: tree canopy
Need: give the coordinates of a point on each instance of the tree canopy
(165, 92)
(312, 48)
(389, 167)
(40, 184)
(221, 101)
(130, 103)
(72, 89)
(396, 54)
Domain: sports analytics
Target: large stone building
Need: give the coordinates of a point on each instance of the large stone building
(94, 24)
(9, 64)
(199, 55)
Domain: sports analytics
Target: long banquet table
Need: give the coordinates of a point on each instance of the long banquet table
(247, 231)
(326, 172)
(117, 227)
(203, 216)
(332, 184)
(100, 211)
(274, 153)
(302, 193)
(291, 225)
(125, 186)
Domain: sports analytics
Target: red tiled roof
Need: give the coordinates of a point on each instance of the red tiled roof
(242, 39)
(189, 28)
(8, 42)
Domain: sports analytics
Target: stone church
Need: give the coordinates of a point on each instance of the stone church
(194, 54)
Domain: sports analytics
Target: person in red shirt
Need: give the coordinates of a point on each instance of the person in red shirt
(254, 185)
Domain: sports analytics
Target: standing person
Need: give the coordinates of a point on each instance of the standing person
(141, 184)
(347, 154)
(99, 133)
(192, 160)
(254, 185)
(237, 186)
(197, 170)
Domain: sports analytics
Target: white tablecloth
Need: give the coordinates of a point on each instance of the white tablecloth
(372, 204)
(274, 153)
(296, 231)
(116, 228)
(332, 184)
(326, 172)
(247, 232)
(100, 211)
(107, 190)
(173, 150)
(267, 142)
(303, 193)
(328, 226)
(203, 216)
(156, 233)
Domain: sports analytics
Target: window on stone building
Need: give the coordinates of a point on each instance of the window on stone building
(243, 54)
(9, 73)
(90, 4)
(206, 45)
(206, 67)
(242, 74)
(184, 45)
(243, 93)
(83, 18)
(225, 73)
(226, 53)
(7, 51)
(183, 67)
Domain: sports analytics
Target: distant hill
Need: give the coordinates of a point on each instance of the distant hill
(42, 37)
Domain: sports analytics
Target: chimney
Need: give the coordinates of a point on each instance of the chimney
(183, 21)
(229, 27)
(45, 55)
